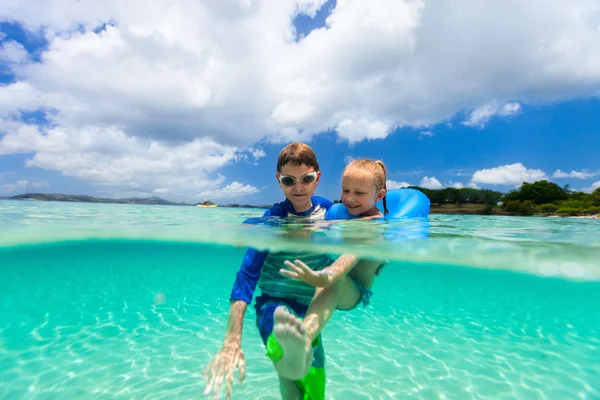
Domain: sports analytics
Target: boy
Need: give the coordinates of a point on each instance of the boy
(298, 175)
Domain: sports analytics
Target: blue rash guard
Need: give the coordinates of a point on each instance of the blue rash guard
(262, 267)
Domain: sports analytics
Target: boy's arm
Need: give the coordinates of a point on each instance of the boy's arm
(235, 323)
(222, 367)
(248, 275)
(230, 357)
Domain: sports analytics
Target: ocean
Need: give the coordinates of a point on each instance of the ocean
(130, 301)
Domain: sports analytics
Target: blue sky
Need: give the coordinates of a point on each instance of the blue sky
(129, 109)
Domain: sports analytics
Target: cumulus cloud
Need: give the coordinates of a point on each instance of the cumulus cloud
(12, 52)
(513, 174)
(233, 73)
(482, 115)
(430, 183)
(355, 131)
(22, 186)
(109, 157)
(426, 182)
(374, 66)
(230, 191)
(392, 185)
(423, 134)
(590, 189)
(257, 153)
(575, 174)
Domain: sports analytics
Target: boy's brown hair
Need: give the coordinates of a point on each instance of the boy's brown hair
(297, 154)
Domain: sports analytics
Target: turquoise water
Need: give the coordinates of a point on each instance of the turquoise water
(119, 301)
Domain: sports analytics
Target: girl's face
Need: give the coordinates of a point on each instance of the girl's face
(359, 194)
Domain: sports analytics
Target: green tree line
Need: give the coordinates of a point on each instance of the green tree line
(543, 197)
(462, 196)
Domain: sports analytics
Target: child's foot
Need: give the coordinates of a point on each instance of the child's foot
(291, 335)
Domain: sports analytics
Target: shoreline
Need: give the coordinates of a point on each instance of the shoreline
(446, 209)
(479, 210)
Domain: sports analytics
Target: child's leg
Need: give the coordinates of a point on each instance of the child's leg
(296, 336)
(297, 352)
(344, 294)
(276, 321)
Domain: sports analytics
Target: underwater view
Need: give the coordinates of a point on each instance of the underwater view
(131, 301)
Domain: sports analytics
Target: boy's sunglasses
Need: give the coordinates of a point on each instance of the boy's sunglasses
(305, 179)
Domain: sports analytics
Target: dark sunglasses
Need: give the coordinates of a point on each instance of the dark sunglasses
(305, 179)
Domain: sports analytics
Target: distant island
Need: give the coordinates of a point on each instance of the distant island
(130, 200)
(246, 206)
(89, 199)
(541, 198)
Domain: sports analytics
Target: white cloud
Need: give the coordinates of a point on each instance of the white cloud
(230, 191)
(13, 52)
(590, 189)
(431, 183)
(20, 187)
(575, 174)
(426, 182)
(288, 113)
(374, 66)
(510, 109)
(392, 185)
(481, 115)
(473, 185)
(18, 97)
(109, 157)
(514, 174)
(355, 131)
(231, 72)
(257, 153)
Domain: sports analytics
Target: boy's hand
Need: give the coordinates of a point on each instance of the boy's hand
(302, 272)
(222, 368)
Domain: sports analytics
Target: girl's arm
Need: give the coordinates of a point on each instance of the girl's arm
(323, 278)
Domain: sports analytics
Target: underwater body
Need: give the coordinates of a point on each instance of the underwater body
(131, 301)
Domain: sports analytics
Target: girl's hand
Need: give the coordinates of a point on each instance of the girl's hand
(302, 272)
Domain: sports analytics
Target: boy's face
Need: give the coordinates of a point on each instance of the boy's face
(298, 183)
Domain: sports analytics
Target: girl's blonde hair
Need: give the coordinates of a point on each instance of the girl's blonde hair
(379, 172)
